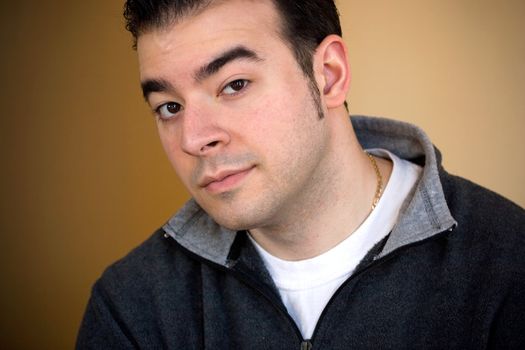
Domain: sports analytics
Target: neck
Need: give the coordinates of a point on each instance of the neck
(330, 211)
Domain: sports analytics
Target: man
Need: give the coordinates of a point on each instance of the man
(297, 238)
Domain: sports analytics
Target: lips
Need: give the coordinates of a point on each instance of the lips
(224, 180)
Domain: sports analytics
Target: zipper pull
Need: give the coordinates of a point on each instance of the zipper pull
(306, 345)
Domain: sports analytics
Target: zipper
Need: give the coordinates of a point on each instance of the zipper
(306, 345)
(373, 264)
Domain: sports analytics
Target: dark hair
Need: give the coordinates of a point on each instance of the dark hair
(304, 23)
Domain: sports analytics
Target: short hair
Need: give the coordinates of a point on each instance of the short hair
(304, 24)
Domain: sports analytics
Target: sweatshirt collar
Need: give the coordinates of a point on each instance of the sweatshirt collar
(424, 214)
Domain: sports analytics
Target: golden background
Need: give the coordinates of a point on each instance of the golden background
(84, 178)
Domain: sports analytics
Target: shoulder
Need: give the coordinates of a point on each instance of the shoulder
(475, 205)
(490, 228)
(156, 266)
(153, 287)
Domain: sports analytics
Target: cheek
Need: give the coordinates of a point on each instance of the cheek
(270, 116)
(169, 145)
(281, 119)
(180, 161)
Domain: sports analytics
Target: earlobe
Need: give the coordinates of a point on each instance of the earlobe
(332, 64)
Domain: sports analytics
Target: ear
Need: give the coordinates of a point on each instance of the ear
(332, 70)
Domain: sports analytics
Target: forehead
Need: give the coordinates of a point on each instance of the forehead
(253, 23)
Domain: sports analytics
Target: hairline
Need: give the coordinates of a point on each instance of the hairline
(170, 19)
(281, 31)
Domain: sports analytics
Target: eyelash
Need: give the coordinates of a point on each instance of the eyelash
(158, 110)
(245, 82)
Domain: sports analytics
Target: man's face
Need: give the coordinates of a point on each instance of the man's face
(235, 114)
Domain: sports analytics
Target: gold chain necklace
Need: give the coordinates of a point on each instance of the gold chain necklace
(379, 187)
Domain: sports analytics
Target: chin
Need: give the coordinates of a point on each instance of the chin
(231, 225)
(232, 212)
(233, 222)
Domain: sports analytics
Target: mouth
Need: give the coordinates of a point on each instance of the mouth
(225, 180)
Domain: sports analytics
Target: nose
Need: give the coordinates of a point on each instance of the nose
(202, 133)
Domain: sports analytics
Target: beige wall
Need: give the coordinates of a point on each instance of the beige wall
(84, 178)
(457, 69)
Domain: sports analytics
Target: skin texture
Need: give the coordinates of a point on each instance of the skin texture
(247, 139)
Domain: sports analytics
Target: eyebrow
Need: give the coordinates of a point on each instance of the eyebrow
(238, 52)
(154, 85)
(150, 86)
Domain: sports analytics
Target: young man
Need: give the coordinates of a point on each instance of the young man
(297, 238)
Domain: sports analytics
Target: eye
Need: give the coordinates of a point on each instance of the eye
(168, 110)
(235, 86)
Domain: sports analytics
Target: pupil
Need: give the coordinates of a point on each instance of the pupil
(172, 107)
(237, 85)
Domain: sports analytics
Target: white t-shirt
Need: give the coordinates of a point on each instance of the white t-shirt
(306, 286)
